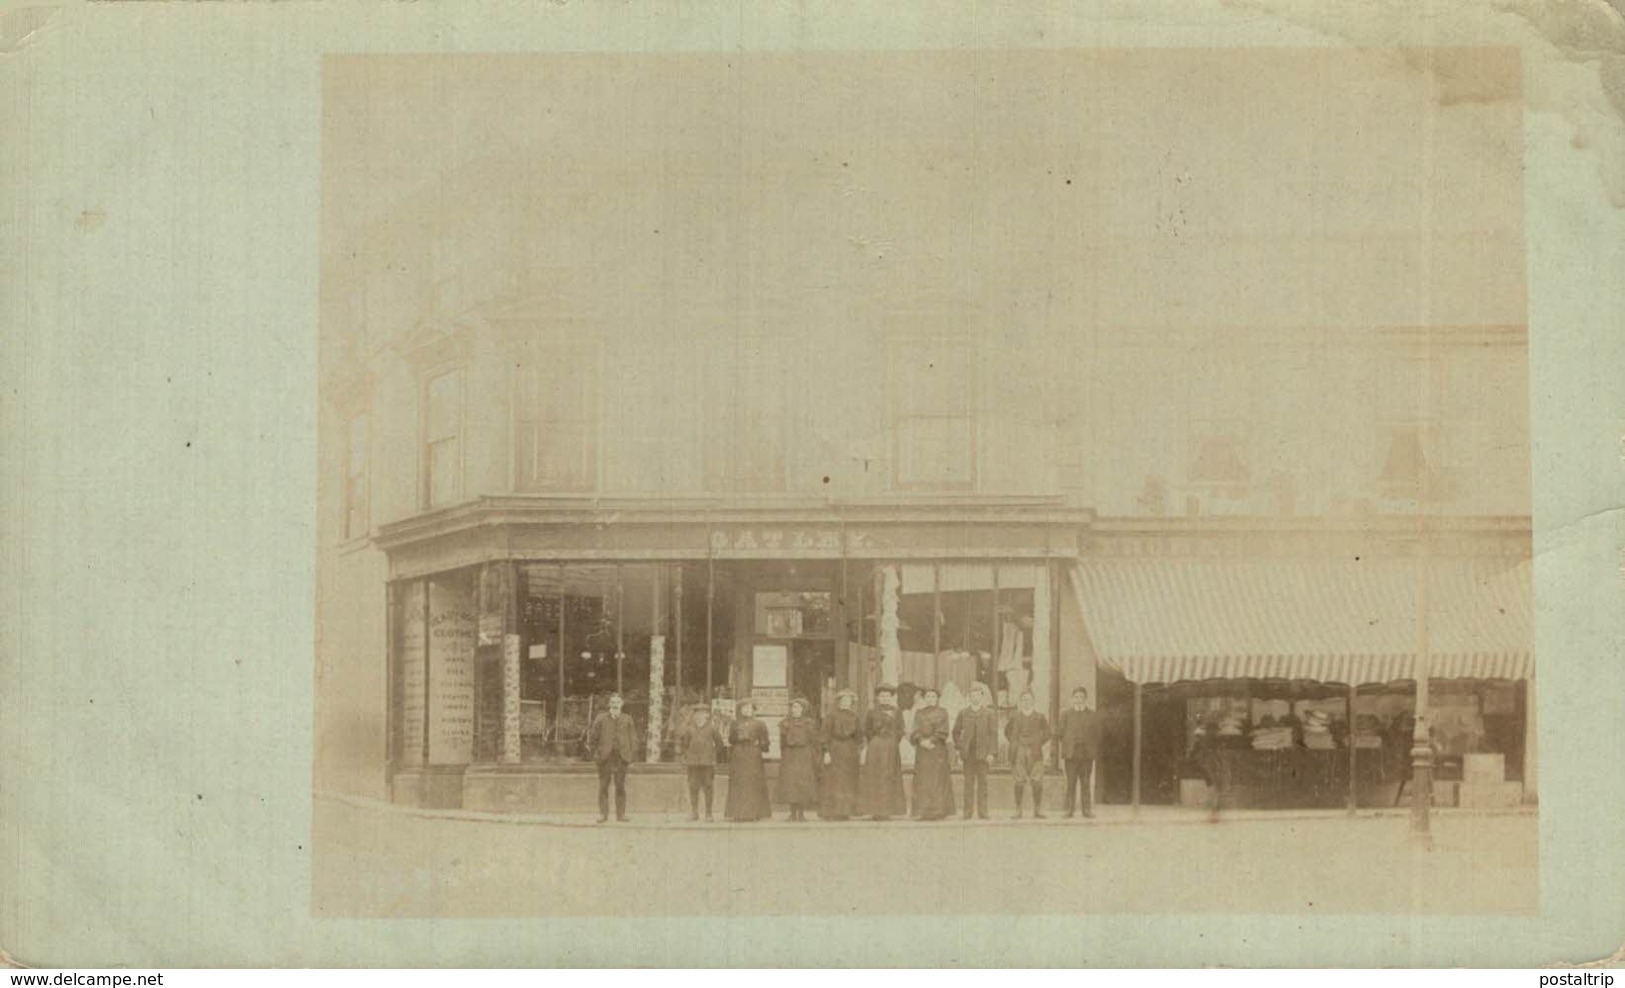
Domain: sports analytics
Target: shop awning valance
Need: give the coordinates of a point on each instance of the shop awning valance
(1353, 621)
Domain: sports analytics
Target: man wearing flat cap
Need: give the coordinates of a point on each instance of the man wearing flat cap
(613, 746)
(701, 745)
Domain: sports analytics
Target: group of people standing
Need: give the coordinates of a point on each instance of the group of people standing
(852, 766)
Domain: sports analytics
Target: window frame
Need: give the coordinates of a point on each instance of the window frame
(960, 344)
(1391, 420)
(525, 416)
(779, 358)
(426, 476)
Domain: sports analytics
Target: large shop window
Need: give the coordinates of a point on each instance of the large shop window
(1279, 743)
(933, 408)
(589, 630)
(443, 439)
(438, 629)
(556, 427)
(959, 624)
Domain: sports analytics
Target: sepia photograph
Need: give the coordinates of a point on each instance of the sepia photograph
(956, 482)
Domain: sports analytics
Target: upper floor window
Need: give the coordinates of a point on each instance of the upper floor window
(1405, 431)
(556, 427)
(1219, 454)
(654, 420)
(356, 516)
(442, 461)
(1408, 471)
(762, 408)
(1219, 408)
(934, 412)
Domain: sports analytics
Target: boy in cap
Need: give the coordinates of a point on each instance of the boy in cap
(700, 745)
(1028, 732)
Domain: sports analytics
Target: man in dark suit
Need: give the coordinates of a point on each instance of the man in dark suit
(1079, 738)
(976, 735)
(613, 746)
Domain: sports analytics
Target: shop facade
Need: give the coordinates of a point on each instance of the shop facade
(1266, 669)
(512, 620)
(1263, 669)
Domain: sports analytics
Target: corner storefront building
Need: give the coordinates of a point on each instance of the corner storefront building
(722, 402)
(512, 621)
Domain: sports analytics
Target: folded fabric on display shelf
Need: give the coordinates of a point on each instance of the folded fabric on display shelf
(1272, 738)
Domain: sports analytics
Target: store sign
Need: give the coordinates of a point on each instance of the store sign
(791, 541)
(773, 701)
(452, 635)
(491, 629)
(414, 638)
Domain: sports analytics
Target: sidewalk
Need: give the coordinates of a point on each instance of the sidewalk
(1105, 816)
(372, 859)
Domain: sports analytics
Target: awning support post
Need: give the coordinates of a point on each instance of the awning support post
(1421, 739)
(1135, 791)
(1353, 791)
(677, 614)
(710, 617)
(558, 723)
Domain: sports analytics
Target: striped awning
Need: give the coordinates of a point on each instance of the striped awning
(1352, 622)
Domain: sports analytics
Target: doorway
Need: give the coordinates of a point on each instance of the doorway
(812, 674)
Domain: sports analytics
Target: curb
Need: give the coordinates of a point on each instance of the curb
(780, 825)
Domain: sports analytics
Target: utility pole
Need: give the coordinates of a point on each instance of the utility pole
(1421, 737)
(1421, 743)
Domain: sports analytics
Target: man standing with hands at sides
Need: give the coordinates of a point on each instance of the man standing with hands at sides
(1079, 738)
(611, 741)
(976, 735)
(701, 746)
(1027, 732)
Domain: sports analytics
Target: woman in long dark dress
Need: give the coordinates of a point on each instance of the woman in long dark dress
(843, 742)
(747, 779)
(880, 783)
(933, 788)
(798, 760)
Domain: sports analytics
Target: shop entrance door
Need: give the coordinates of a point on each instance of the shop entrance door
(812, 675)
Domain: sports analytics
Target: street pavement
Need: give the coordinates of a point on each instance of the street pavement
(375, 860)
